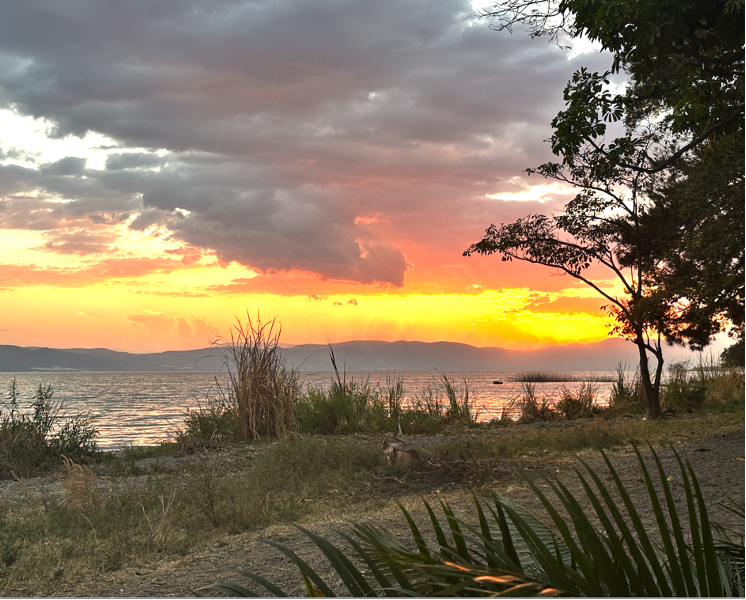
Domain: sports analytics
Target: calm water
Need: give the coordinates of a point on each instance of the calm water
(145, 408)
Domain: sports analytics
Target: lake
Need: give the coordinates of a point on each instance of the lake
(142, 408)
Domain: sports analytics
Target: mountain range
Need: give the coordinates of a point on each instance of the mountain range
(354, 355)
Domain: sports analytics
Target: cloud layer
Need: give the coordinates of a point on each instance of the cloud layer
(335, 138)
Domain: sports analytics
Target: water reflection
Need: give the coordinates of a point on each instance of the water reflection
(144, 408)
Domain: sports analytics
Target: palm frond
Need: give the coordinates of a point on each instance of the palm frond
(511, 552)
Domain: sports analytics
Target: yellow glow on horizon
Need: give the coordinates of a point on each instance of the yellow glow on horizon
(143, 297)
(127, 317)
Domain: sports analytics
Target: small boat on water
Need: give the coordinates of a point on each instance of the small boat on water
(497, 382)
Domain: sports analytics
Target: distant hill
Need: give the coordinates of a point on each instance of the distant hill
(354, 355)
(451, 356)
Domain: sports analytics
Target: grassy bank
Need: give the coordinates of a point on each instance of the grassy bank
(129, 510)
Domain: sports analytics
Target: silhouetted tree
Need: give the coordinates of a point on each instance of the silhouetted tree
(648, 210)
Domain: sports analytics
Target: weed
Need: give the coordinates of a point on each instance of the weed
(461, 404)
(507, 412)
(709, 383)
(626, 394)
(35, 441)
(394, 392)
(348, 406)
(429, 402)
(215, 422)
(80, 484)
(533, 409)
(204, 487)
(161, 524)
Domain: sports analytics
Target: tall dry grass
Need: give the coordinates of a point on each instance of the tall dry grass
(263, 388)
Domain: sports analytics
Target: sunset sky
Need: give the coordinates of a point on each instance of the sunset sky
(166, 165)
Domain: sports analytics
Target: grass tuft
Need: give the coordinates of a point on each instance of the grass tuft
(263, 390)
(35, 441)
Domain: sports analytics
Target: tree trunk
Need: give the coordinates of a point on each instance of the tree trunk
(650, 390)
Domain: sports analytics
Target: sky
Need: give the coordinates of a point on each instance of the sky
(170, 166)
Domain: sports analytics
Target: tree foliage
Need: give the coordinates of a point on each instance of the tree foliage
(695, 231)
(682, 55)
(660, 167)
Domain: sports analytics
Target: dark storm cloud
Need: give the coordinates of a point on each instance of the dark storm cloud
(70, 165)
(281, 121)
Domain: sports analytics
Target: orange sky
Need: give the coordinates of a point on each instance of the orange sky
(144, 297)
(165, 167)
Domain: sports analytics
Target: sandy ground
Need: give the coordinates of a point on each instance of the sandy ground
(715, 460)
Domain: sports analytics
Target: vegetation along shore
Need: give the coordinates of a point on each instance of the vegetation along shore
(267, 453)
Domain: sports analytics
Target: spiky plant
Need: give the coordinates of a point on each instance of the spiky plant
(262, 388)
(511, 552)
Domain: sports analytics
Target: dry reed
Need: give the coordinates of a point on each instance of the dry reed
(263, 388)
(80, 484)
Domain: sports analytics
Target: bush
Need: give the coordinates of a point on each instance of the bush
(37, 440)
(683, 391)
(211, 424)
(533, 409)
(581, 403)
(348, 406)
(709, 384)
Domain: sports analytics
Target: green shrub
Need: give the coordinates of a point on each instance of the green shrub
(211, 423)
(348, 406)
(580, 403)
(681, 390)
(710, 384)
(37, 440)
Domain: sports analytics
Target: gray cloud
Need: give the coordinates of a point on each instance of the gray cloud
(132, 160)
(68, 166)
(281, 121)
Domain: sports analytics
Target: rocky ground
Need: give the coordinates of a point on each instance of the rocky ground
(717, 460)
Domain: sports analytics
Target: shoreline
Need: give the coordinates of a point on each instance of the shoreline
(209, 563)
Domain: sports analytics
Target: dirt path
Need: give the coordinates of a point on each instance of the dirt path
(715, 460)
